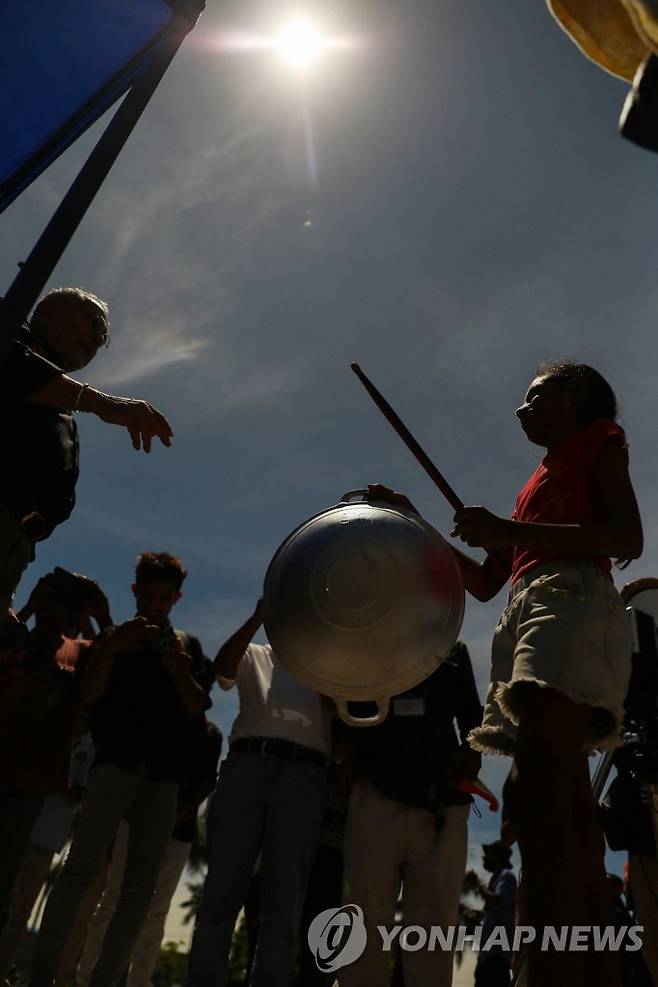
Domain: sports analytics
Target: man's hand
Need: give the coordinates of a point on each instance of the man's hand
(135, 635)
(189, 691)
(479, 528)
(178, 661)
(143, 421)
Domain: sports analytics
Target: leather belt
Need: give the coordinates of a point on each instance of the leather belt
(274, 747)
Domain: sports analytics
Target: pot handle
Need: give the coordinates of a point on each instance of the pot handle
(363, 721)
(347, 497)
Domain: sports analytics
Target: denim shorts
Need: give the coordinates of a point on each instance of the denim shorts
(565, 628)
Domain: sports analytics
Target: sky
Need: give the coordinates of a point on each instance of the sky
(468, 212)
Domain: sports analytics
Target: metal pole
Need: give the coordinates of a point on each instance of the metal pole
(601, 774)
(37, 269)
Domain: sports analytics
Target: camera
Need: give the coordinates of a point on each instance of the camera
(164, 643)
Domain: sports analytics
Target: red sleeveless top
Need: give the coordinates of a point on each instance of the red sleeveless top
(561, 491)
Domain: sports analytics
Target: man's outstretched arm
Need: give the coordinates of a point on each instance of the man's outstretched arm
(143, 421)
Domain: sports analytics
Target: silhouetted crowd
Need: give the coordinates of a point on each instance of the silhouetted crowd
(105, 743)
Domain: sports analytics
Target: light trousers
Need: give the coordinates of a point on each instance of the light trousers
(267, 805)
(147, 948)
(111, 794)
(388, 846)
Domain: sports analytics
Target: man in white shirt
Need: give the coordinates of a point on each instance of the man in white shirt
(269, 801)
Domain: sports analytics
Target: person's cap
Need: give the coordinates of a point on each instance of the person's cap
(499, 847)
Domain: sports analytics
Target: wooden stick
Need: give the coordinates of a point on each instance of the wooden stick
(414, 448)
(417, 450)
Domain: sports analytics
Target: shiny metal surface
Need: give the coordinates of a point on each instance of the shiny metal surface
(644, 597)
(362, 602)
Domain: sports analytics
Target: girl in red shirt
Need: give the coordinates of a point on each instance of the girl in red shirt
(561, 653)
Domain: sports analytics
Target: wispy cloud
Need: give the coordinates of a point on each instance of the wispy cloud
(148, 350)
(213, 178)
(174, 302)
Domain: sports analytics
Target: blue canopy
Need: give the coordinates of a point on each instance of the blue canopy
(64, 63)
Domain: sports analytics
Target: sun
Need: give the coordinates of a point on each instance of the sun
(299, 43)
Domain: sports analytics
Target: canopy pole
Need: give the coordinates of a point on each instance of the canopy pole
(37, 269)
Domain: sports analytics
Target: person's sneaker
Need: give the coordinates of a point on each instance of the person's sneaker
(639, 117)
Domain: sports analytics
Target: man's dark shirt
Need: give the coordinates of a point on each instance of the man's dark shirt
(22, 370)
(39, 444)
(408, 756)
(141, 720)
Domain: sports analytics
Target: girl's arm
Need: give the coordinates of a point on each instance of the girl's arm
(484, 579)
(616, 530)
(481, 579)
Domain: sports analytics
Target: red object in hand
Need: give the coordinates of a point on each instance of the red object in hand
(473, 786)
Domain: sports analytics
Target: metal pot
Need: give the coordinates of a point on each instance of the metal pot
(362, 602)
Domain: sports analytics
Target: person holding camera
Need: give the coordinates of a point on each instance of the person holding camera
(196, 786)
(40, 438)
(40, 694)
(146, 687)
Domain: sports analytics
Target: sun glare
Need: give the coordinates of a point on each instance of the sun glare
(299, 43)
